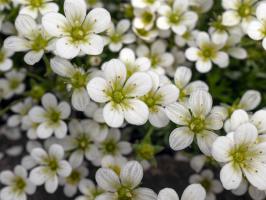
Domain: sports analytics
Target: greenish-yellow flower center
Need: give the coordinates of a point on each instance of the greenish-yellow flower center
(245, 10)
(155, 59)
(14, 83)
(116, 38)
(207, 52)
(19, 184)
(147, 17)
(52, 163)
(118, 96)
(197, 125)
(83, 142)
(124, 193)
(39, 43)
(53, 115)
(109, 147)
(36, 3)
(74, 177)
(146, 151)
(174, 17)
(79, 80)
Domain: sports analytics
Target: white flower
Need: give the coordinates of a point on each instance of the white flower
(182, 80)
(242, 155)
(15, 83)
(77, 32)
(192, 192)
(178, 18)
(112, 145)
(21, 109)
(31, 39)
(80, 142)
(133, 64)
(211, 185)
(50, 117)
(120, 94)
(233, 48)
(5, 62)
(71, 182)
(17, 184)
(125, 185)
(89, 190)
(50, 166)
(196, 120)
(250, 100)
(187, 37)
(157, 98)
(201, 6)
(154, 4)
(206, 53)
(33, 8)
(159, 57)
(77, 80)
(117, 36)
(113, 162)
(257, 28)
(144, 19)
(238, 12)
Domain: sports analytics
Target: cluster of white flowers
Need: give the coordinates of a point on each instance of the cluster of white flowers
(97, 86)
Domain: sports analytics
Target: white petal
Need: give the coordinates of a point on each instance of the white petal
(192, 53)
(60, 130)
(137, 112)
(181, 138)
(200, 103)
(178, 113)
(123, 26)
(203, 38)
(264, 43)
(37, 176)
(255, 30)
(205, 141)
(113, 116)
(260, 11)
(65, 168)
(138, 84)
(94, 45)
(6, 177)
(100, 18)
(64, 109)
(32, 57)
(57, 151)
(38, 154)
(194, 192)
(168, 194)
(250, 100)
(6, 65)
(182, 76)
(107, 179)
(131, 174)
(25, 25)
(76, 158)
(221, 59)
(238, 53)
(62, 67)
(49, 7)
(255, 193)
(230, 18)
(214, 121)
(54, 23)
(231, 176)
(259, 120)
(96, 89)
(181, 5)
(162, 23)
(115, 71)
(221, 149)
(237, 118)
(66, 49)
(124, 147)
(49, 101)
(16, 44)
(145, 194)
(158, 118)
(75, 11)
(44, 131)
(219, 37)
(245, 134)
(169, 94)
(80, 99)
(51, 184)
(203, 66)
(28, 10)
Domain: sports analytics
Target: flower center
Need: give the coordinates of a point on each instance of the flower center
(115, 38)
(110, 147)
(146, 151)
(53, 115)
(53, 164)
(245, 10)
(207, 52)
(19, 185)
(13, 84)
(36, 3)
(83, 142)
(197, 125)
(218, 25)
(124, 193)
(79, 80)
(118, 96)
(39, 43)
(147, 17)
(155, 59)
(174, 17)
(74, 177)
(77, 33)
